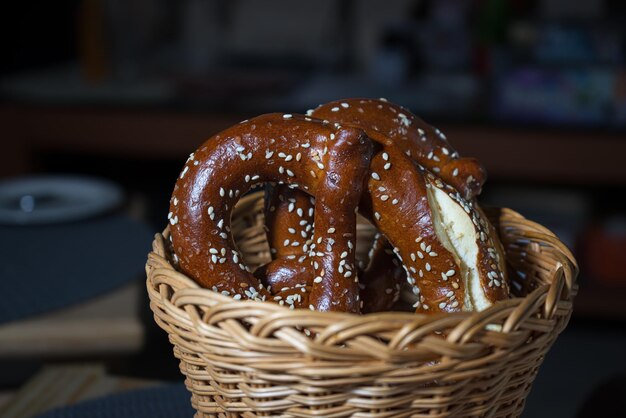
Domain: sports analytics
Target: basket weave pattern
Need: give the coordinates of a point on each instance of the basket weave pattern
(254, 359)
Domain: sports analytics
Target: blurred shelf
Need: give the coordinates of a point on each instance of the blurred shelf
(509, 153)
(107, 325)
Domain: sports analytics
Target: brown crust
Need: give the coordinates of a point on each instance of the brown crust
(422, 142)
(289, 230)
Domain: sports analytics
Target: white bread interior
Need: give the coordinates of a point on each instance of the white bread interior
(457, 233)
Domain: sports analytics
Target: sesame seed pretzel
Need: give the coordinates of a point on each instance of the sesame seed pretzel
(396, 131)
(448, 279)
(414, 209)
(328, 161)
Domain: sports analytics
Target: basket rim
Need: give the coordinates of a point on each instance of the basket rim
(562, 288)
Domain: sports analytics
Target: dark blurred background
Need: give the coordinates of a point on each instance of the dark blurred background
(124, 90)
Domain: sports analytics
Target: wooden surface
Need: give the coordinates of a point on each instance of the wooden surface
(109, 324)
(64, 385)
(569, 157)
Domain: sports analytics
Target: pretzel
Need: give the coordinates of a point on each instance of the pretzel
(395, 128)
(328, 161)
(410, 206)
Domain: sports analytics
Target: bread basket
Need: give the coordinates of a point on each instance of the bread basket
(256, 359)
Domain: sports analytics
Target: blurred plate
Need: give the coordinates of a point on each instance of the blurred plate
(52, 199)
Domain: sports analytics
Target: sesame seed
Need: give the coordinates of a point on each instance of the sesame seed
(450, 273)
(387, 166)
(427, 266)
(384, 197)
(222, 192)
(385, 156)
(318, 279)
(332, 137)
(394, 202)
(331, 230)
(375, 175)
(334, 109)
(290, 173)
(305, 145)
(268, 154)
(377, 215)
(287, 116)
(345, 105)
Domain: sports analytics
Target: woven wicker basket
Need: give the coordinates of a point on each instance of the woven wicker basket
(253, 359)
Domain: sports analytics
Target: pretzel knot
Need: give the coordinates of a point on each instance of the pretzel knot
(358, 155)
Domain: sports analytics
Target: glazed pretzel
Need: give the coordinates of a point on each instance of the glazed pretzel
(460, 178)
(283, 149)
(395, 128)
(397, 203)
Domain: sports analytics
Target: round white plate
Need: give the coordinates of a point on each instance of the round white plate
(53, 199)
